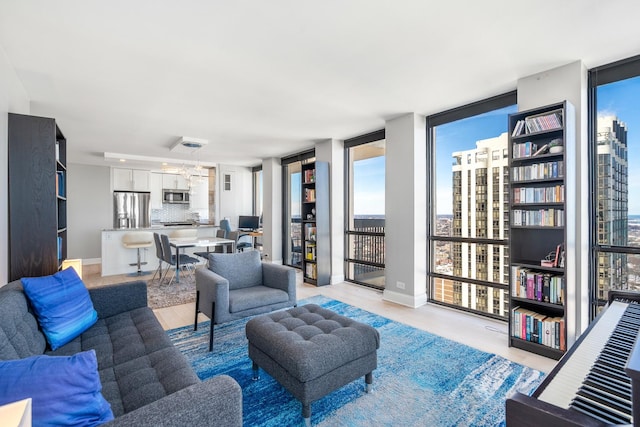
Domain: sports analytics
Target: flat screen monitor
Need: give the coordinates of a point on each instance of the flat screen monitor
(248, 222)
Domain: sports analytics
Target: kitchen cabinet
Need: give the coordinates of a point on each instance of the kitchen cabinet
(130, 179)
(172, 181)
(155, 184)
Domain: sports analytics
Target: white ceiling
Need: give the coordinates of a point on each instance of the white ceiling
(261, 79)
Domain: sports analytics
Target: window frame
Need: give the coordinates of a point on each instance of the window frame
(473, 109)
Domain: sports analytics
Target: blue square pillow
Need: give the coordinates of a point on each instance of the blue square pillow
(62, 305)
(65, 390)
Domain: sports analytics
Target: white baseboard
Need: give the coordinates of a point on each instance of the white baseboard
(337, 278)
(89, 261)
(412, 301)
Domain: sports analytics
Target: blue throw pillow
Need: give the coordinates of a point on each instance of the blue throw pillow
(62, 305)
(65, 390)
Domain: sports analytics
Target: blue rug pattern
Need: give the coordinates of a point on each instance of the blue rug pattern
(421, 380)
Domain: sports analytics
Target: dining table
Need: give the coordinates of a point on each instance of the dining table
(180, 243)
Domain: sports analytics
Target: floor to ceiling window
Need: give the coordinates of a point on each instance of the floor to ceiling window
(468, 193)
(364, 228)
(292, 199)
(257, 192)
(614, 150)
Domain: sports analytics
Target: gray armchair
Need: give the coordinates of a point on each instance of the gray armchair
(238, 285)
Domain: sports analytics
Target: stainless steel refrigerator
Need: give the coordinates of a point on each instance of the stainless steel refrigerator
(131, 209)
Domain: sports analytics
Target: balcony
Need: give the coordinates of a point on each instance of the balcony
(365, 252)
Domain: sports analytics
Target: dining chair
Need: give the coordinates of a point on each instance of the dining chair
(186, 261)
(158, 243)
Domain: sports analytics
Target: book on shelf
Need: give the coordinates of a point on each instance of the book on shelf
(311, 271)
(60, 190)
(309, 195)
(545, 170)
(544, 122)
(309, 176)
(550, 194)
(310, 232)
(310, 254)
(536, 327)
(538, 286)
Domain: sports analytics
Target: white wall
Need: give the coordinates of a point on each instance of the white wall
(569, 83)
(13, 99)
(238, 201)
(272, 209)
(332, 152)
(406, 211)
(89, 209)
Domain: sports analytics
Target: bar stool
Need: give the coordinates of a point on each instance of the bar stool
(138, 240)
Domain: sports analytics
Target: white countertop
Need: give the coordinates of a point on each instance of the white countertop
(163, 227)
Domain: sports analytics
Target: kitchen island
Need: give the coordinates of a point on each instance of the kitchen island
(116, 258)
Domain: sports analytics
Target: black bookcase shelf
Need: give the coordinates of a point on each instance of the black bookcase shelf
(537, 319)
(316, 262)
(37, 196)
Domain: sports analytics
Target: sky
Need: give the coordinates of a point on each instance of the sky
(621, 99)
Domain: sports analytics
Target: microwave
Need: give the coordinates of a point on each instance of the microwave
(175, 196)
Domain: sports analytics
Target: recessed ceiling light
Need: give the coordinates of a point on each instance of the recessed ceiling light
(123, 160)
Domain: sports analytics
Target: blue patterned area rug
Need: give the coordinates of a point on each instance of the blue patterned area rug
(422, 379)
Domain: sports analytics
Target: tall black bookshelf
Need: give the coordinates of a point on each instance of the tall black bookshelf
(316, 252)
(37, 193)
(537, 228)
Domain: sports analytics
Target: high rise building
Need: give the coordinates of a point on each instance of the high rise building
(480, 201)
(612, 208)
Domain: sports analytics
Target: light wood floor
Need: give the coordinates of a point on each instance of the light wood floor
(484, 334)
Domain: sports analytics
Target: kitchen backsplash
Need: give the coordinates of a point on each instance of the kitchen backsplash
(171, 213)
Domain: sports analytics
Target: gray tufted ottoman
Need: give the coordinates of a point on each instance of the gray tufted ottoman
(312, 351)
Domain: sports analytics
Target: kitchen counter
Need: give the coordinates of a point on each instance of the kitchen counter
(116, 258)
(156, 227)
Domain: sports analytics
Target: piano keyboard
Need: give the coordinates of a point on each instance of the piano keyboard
(592, 380)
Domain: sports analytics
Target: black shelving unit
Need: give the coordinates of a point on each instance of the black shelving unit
(537, 229)
(316, 252)
(37, 196)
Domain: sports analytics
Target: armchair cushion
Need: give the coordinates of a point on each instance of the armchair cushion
(256, 296)
(242, 270)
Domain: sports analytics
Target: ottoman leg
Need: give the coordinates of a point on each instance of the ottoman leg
(256, 371)
(306, 414)
(368, 379)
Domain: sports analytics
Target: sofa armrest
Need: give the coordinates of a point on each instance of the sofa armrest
(118, 298)
(212, 287)
(280, 277)
(215, 402)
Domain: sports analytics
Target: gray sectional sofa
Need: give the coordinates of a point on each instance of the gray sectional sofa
(147, 381)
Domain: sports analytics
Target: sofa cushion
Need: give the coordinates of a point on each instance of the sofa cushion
(62, 305)
(19, 334)
(137, 362)
(65, 391)
(242, 270)
(256, 296)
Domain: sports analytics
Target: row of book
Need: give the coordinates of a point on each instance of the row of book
(309, 195)
(310, 253)
(525, 149)
(538, 123)
(60, 186)
(310, 232)
(309, 176)
(539, 328)
(311, 271)
(544, 170)
(538, 286)
(538, 217)
(552, 194)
